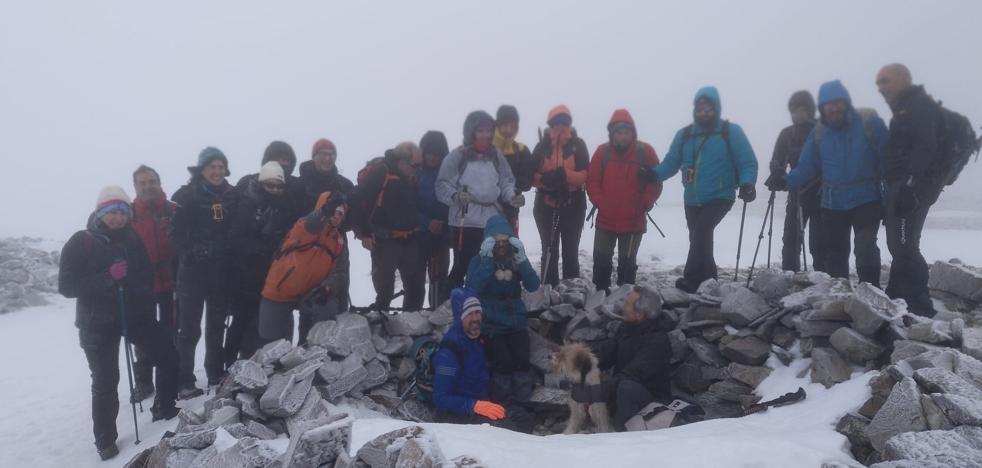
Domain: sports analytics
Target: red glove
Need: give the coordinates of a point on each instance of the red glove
(492, 411)
(118, 270)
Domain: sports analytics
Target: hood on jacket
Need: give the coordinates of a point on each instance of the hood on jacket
(281, 150)
(712, 94)
(474, 121)
(833, 91)
(434, 142)
(457, 298)
(497, 224)
(621, 116)
(802, 99)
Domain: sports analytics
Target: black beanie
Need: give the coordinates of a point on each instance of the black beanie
(802, 99)
(434, 142)
(278, 150)
(507, 113)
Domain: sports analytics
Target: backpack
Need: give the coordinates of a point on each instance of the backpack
(466, 159)
(638, 156)
(956, 144)
(724, 132)
(372, 166)
(867, 116)
(659, 416)
(423, 350)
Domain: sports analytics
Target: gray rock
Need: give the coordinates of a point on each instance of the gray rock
(747, 375)
(383, 451)
(871, 309)
(259, 431)
(689, 377)
(810, 328)
(934, 415)
(958, 409)
(855, 346)
(674, 297)
(731, 390)
(376, 375)
(706, 352)
(901, 413)
(939, 380)
(972, 342)
(249, 404)
(749, 350)
(538, 300)
(575, 298)
(249, 375)
(906, 349)
(540, 352)
(588, 334)
(441, 316)
(321, 444)
(957, 280)
(549, 397)
(853, 426)
(247, 452)
(286, 392)
(931, 331)
(397, 345)
(818, 315)
(783, 336)
(272, 352)
(828, 367)
(773, 283)
(963, 442)
(300, 355)
(351, 373)
(742, 307)
(680, 348)
(350, 333)
(421, 452)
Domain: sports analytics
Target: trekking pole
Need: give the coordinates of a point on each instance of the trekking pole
(760, 237)
(770, 231)
(129, 358)
(743, 218)
(589, 217)
(801, 237)
(552, 239)
(656, 225)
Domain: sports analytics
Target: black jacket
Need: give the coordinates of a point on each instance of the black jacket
(294, 189)
(913, 143)
(387, 200)
(787, 150)
(200, 227)
(259, 225)
(83, 274)
(314, 183)
(640, 352)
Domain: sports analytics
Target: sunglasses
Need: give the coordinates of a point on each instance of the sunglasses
(274, 186)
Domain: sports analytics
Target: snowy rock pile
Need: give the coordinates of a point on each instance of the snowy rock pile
(26, 274)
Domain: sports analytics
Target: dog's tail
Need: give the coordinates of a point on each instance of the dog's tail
(584, 364)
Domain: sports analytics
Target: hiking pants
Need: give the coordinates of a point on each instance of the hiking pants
(276, 319)
(627, 257)
(404, 256)
(568, 220)
(508, 356)
(466, 244)
(629, 398)
(909, 270)
(200, 284)
(864, 222)
(700, 264)
(811, 219)
(167, 318)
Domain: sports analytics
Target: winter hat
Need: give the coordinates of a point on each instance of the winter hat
(475, 120)
(507, 113)
(205, 157)
(471, 305)
(560, 115)
(434, 142)
(278, 150)
(112, 198)
(802, 99)
(271, 171)
(322, 145)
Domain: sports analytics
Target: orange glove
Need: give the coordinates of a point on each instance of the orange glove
(492, 411)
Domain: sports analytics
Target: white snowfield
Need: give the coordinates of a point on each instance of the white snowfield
(46, 416)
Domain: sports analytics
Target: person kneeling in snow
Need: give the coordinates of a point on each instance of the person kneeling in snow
(639, 355)
(106, 268)
(461, 376)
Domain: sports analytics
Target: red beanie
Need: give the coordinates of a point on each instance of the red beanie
(324, 144)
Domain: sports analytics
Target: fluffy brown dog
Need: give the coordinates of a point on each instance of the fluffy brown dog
(577, 363)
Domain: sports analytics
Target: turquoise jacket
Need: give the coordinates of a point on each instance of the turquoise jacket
(717, 169)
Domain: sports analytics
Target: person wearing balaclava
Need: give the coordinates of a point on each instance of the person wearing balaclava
(200, 232)
(716, 161)
(433, 233)
(476, 183)
(803, 208)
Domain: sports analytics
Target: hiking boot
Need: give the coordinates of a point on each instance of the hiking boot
(164, 414)
(216, 381)
(142, 392)
(108, 451)
(686, 286)
(186, 393)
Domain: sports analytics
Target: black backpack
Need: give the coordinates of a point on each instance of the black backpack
(956, 144)
(423, 350)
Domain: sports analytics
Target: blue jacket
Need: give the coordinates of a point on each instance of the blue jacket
(715, 175)
(850, 166)
(458, 384)
(428, 207)
(504, 311)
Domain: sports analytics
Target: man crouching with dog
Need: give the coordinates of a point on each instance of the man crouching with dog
(638, 356)
(461, 378)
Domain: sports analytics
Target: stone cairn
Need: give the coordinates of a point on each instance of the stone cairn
(291, 406)
(26, 274)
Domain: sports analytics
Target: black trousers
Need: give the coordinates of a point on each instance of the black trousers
(276, 319)
(508, 356)
(404, 256)
(466, 243)
(629, 398)
(909, 271)
(627, 257)
(568, 221)
(436, 260)
(864, 223)
(700, 264)
(167, 318)
(811, 219)
(242, 336)
(198, 285)
(101, 347)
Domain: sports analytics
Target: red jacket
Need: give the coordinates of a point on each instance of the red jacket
(151, 223)
(615, 187)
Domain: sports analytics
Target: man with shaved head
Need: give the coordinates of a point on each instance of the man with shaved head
(912, 182)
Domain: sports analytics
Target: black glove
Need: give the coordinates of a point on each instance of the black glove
(555, 179)
(905, 201)
(647, 174)
(748, 193)
(777, 182)
(333, 202)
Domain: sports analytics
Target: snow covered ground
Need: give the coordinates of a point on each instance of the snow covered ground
(45, 387)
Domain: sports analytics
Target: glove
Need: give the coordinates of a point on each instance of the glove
(777, 182)
(462, 198)
(520, 255)
(118, 270)
(905, 201)
(647, 174)
(487, 247)
(332, 204)
(554, 179)
(489, 410)
(748, 193)
(436, 227)
(518, 200)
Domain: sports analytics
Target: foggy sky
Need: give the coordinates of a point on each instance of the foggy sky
(92, 89)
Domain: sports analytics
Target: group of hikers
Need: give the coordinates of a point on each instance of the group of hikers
(246, 256)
